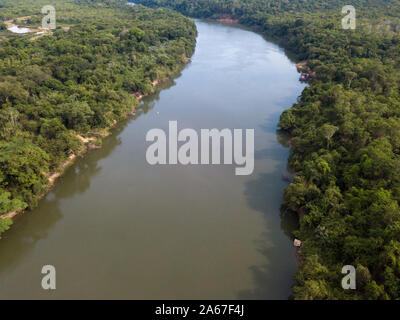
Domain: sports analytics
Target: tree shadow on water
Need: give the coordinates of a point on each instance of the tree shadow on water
(273, 278)
(34, 225)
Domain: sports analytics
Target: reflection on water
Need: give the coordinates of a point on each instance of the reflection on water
(79, 177)
(46, 215)
(115, 227)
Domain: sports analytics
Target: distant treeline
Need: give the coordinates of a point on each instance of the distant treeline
(345, 137)
(79, 80)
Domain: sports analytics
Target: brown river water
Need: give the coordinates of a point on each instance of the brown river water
(115, 227)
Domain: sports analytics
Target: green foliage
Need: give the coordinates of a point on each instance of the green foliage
(7, 205)
(5, 225)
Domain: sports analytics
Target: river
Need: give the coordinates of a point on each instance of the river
(115, 227)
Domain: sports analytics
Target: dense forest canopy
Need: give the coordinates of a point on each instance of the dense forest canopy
(239, 8)
(345, 137)
(76, 81)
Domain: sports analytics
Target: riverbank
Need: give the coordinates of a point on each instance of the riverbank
(91, 141)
